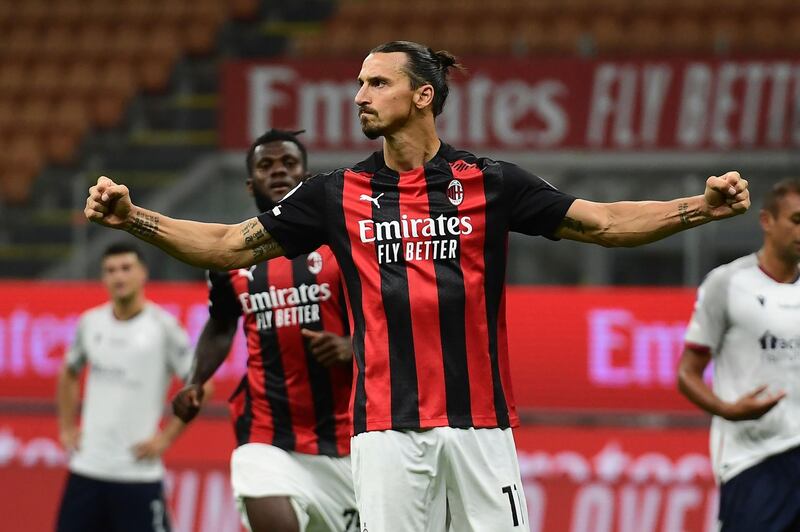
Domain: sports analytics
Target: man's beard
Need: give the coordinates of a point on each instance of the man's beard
(263, 202)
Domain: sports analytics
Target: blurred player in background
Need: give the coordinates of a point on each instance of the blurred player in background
(131, 349)
(747, 320)
(420, 232)
(291, 469)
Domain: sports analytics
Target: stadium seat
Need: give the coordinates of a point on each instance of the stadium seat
(243, 9)
(46, 79)
(199, 37)
(13, 79)
(607, 34)
(725, 33)
(763, 34)
(23, 161)
(70, 122)
(80, 79)
(33, 116)
(686, 35)
(92, 41)
(646, 34)
(22, 42)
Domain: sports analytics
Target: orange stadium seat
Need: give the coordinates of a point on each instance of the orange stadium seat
(763, 34)
(355, 12)
(13, 79)
(67, 12)
(58, 42)
(81, 78)
(792, 34)
(22, 42)
(607, 34)
(173, 12)
(128, 42)
(726, 34)
(33, 116)
(32, 12)
(646, 34)
(243, 9)
(155, 73)
(46, 79)
(564, 35)
(686, 35)
(492, 38)
(212, 11)
(92, 42)
(200, 36)
(70, 122)
(528, 36)
(23, 161)
(8, 118)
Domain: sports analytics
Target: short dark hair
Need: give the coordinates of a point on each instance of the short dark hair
(790, 185)
(120, 248)
(276, 135)
(424, 66)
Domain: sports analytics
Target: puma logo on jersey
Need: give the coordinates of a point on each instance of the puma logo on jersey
(247, 272)
(364, 197)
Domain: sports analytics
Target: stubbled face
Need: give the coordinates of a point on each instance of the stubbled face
(123, 275)
(783, 229)
(277, 169)
(385, 98)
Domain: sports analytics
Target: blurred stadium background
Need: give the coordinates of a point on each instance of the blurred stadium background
(607, 99)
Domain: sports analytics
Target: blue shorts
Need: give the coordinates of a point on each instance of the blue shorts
(91, 505)
(763, 498)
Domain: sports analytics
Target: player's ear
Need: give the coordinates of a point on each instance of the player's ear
(423, 96)
(249, 185)
(766, 219)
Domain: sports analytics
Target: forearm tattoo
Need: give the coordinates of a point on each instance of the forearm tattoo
(683, 211)
(573, 224)
(144, 225)
(254, 237)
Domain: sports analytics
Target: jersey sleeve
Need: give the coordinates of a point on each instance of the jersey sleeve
(178, 347)
(75, 358)
(222, 302)
(297, 223)
(709, 320)
(535, 206)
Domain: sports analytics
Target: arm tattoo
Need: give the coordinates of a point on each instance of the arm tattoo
(265, 250)
(573, 224)
(144, 225)
(257, 239)
(683, 211)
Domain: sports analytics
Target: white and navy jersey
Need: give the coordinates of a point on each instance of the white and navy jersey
(751, 325)
(130, 364)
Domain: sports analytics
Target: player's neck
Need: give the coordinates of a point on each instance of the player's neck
(772, 264)
(410, 148)
(125, 309)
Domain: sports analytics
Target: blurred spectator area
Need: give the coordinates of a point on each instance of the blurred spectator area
(522, 27)
(71, 66)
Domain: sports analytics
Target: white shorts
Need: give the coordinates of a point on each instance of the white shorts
(464, 480)
(319, 487)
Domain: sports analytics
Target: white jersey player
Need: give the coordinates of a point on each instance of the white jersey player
(747, 320)
(130, 348)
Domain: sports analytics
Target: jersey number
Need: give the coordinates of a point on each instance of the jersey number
(513, 500)
(351, 521)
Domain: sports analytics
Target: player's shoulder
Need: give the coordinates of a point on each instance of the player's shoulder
(721, 276)
(98, 314)
(161, 316)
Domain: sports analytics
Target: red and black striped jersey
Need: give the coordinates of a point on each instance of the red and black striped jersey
(287, 398)
(423, 255)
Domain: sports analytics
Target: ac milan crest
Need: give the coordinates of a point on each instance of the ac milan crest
(314, 262)
(455, 192)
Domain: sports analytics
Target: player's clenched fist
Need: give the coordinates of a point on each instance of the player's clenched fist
(727, 195)
(108, 203)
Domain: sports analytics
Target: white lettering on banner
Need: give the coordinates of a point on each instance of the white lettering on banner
(33, 345)
(593, 510)
(627, 105)
(639, 508)
(264, 96)
(624, 351)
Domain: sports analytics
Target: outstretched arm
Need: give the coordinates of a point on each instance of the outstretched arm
(751, 405)
(213, 346)
(633, 223)
(206, 245)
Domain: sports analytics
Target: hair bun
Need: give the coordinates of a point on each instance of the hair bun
(445, 58)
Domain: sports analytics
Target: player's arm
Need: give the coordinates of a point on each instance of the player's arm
(329, 348)
(68, 398)
(633, 223)
(213, 346)
(753, 405)
(206, 245)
